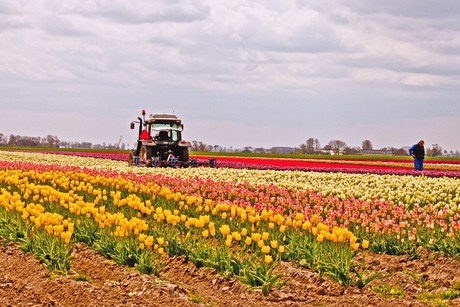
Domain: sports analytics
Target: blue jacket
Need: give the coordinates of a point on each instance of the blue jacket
(418, 151)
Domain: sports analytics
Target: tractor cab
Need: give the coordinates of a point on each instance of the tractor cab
(165, 129)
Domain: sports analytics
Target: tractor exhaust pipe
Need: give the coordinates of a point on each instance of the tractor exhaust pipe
(140, 127)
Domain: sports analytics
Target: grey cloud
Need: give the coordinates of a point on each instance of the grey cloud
(275, 65)
(414, 8)
(62, 26)
(165, 11)
(9, 8)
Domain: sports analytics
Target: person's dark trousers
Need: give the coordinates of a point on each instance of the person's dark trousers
(418, 164)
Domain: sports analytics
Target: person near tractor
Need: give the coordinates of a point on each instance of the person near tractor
(418, 153)
(170, 156)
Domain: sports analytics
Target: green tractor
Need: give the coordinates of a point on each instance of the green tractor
(160, 142)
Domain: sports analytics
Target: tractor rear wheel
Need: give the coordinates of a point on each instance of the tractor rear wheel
(146, 154)
(183, 154)
(131, 158)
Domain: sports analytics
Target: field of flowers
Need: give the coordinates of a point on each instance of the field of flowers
(241, 222)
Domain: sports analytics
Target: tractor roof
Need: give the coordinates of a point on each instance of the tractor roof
(162, 117)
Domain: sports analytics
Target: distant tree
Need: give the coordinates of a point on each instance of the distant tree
(13, 139)
(302, 148)
(401, 152)
(337, 146)
(202, 147)
(26, 141)
(317, 145)
(435, 151)
(351, 150)
(49, 141)
(3, 139)
(312, 145)
(194, 146)
(367, 145)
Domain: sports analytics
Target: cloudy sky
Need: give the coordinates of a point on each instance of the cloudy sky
(239, 73)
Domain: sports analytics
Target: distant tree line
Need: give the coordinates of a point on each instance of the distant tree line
(52, 141)
(311, 146)
(336, 147)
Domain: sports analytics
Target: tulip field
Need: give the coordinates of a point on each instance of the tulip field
(244, 218)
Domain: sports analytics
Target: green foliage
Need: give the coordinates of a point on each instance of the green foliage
(87, 232)
(149, 264)
(456, 285)
(258, 275)
(81, 277)
(425, 284)
(444, 295)
(390, 245)
(448, 245)
(360, 281)
(53, 252)
(199, 299)
(387, 291)
(48, 249)
(326, 258)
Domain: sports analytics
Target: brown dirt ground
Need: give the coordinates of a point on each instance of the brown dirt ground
(26, 282)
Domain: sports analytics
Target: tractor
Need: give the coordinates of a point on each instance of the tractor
(160, 142)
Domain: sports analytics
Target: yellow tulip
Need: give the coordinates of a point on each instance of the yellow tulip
(256, 236)
(265, 236)
(268, 259)
(224, 229)
(365, 244)
(353, 240)
(248, 241)
(314, 231)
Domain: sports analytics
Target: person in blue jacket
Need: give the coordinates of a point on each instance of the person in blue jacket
(418, 152)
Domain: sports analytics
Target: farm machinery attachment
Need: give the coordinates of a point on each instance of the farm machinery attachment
(160, 143)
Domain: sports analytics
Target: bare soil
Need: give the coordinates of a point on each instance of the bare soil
(97, 281)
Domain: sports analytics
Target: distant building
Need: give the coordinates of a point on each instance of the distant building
(325, 152)
(246, 151)
(384, 152)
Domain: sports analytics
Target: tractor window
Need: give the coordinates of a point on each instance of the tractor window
(164, 125)
(163, 135)
(175, 135)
